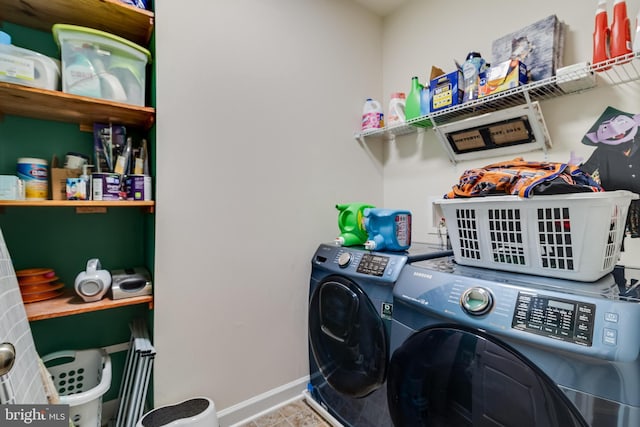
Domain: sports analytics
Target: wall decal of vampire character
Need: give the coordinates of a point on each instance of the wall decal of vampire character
(615, 163)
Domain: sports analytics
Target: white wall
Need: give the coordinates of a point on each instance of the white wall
(434, 33)
(257, 103)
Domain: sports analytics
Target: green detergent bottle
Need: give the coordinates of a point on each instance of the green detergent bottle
(350, 222)
(412, 105)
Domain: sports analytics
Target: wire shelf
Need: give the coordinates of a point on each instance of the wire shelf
(577, 78)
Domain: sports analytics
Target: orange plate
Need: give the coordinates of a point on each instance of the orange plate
(37, 289)
(35, 280)
(35, 272)
(40, 296)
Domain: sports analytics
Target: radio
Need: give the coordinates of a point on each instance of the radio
(130, 282)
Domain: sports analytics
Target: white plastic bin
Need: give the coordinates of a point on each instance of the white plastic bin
(27, 67)
(574, 236)
(101, 65)
(81, 378)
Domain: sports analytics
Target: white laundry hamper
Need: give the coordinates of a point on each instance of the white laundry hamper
(81, 377)
(574, 236)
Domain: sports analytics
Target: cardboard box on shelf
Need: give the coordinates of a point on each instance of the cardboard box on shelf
(59, 179)
(505, 75)
(446, 90)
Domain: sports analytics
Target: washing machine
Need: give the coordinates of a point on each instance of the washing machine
(477, 347)
(350, 311)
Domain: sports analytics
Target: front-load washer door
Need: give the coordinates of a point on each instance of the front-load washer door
(457, 377)
(347, 337)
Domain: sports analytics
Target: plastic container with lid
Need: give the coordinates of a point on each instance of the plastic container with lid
(620, 43)
(101, 65)
(26, 67)
(601, 37)
(471, 70)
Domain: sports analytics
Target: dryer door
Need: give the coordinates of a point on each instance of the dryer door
(453, 376)
(347, 337)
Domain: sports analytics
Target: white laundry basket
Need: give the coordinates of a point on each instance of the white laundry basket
(574, 236)
(81, 378)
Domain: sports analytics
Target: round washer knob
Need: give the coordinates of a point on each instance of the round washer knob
(344, 259)
(476, 301)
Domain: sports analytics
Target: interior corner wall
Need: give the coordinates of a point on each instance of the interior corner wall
(435, 33)
(257, 103)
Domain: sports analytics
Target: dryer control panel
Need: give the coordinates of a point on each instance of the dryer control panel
(558, 318)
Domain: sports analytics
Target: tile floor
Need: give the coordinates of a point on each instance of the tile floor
(295, 414)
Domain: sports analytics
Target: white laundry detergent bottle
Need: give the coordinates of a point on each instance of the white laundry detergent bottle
(372, 115)
(395, 114)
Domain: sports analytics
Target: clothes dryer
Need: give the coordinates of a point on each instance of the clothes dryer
(350, 311)
(476, 347)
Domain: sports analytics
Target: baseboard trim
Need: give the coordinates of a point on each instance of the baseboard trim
(257, 406)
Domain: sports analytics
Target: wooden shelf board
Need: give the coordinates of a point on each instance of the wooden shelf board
(59, 106)
(112, 16)
(79, 203)
(69, 303)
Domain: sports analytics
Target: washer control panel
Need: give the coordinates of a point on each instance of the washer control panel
(558, 318)
(358, 262)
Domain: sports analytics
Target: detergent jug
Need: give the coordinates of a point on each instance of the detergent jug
(350, 222)
(372, 115)
(395, 115)
(412, 104)
(388, 229)
(601, 35)
(620, 43)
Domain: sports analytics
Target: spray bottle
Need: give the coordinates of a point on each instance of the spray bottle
(601, 36)
(620, 30)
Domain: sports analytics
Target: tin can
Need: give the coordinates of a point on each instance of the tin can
(35, 174)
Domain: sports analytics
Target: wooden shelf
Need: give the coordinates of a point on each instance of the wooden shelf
(79, 203)
(69, 303)
(81, 206)
(112, 16)
(63, 107)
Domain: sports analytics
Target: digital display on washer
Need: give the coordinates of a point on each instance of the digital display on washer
(372, 265)
(562, 319)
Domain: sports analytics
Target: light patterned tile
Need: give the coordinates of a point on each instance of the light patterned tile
(294, 414)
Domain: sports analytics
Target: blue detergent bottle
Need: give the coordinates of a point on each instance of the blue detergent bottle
(387, 229)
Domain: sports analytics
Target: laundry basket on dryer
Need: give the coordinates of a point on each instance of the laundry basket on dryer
(81, 378)
(569, 236)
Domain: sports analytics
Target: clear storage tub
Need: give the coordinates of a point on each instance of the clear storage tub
(101, 65)
(27, 67)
